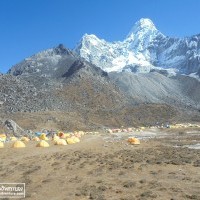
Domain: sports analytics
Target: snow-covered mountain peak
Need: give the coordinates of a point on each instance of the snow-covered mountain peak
(86, 35)
(91, 38)
(145, 22)
(143, 26)
(145, 48)
(141, 36)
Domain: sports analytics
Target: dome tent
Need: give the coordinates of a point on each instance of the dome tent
(61, 134)
(13, 138)
(43, 137)
(1, 145)
(38, 133)
(133, 140)
(18, 144)
(25, 139)
(36, 139)
(76, 139)
(3, 137)
(81, 133)
(55, 138)
(67, 135)
(70, 141)
(73, 140)
(60, 142)
(42, 143)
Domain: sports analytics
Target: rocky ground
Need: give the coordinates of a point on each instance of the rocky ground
(104, 166)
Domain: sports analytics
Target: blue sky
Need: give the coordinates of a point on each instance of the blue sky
(29, 26)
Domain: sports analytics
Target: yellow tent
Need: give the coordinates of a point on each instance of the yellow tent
(1, 145)
(3, 137)
(18, 144)
(129, 129)
(133, 140)
(60, 142)
(55, 138)
(76, 139)
(25, 139)
(78, 135)
(36, 139)
(70, 141)
(13, 138)
(42, 143)
(43, 137)
(67, 135)
(81, 133)
(73, 140)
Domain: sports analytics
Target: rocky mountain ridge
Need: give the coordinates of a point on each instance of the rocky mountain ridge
(49, 70)
(68, 84)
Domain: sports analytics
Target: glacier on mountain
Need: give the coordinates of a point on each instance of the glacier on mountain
(145, 48)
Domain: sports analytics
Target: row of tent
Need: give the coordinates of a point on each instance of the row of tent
(181, 125)
(185, 125)
(125, 130)
(58, 139)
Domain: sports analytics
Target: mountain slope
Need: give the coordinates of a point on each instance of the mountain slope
(180, 91)
(143, 49)
(57, 88)
(60, 81)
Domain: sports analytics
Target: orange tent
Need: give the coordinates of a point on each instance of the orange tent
(133, 140)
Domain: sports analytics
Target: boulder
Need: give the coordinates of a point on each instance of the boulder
(14, 128)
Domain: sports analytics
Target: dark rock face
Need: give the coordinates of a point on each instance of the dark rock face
(78, 65)
(61, 50)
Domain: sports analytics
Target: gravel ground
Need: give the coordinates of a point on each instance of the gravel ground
(106, 167)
